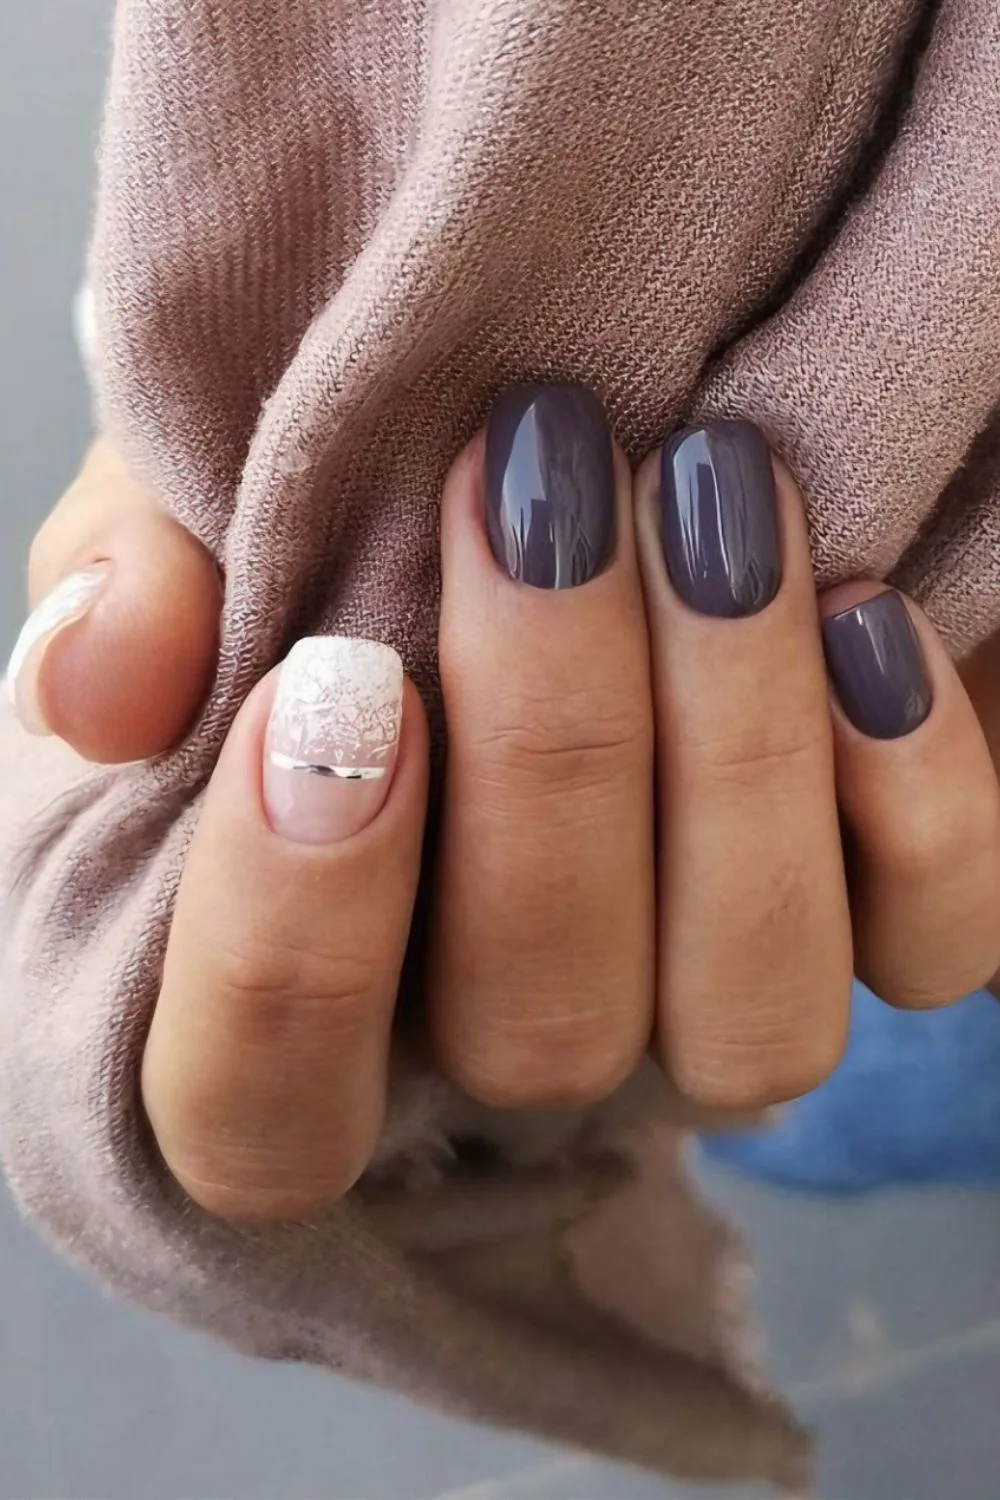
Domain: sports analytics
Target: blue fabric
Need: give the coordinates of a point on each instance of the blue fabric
(916, 1099)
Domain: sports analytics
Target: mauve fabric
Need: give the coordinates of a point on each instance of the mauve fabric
(329, 232)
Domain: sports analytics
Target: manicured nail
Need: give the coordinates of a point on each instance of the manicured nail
(875, 659)
(332, 738)
(67, 604)
(550, 486)
(719, 519)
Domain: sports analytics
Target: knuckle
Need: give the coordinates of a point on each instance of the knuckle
(558, 1066)
(914, 848)
(762, 1051)
(243, 1188)
(496, 1084)
(779, 755)
(759, 1078)
(938, 832)
(572, 740)
(934, 986)
(921, 992)
(277, 988)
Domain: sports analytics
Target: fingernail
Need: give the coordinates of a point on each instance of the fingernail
(67, 604)
(550, 486)
(719, 519)
(332, 738)
(876, 662)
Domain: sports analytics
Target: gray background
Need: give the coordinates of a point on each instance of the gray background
(884, 1316)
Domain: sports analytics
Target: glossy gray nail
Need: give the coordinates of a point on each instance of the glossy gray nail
(875, 660)
(550, 486)
(720, 533)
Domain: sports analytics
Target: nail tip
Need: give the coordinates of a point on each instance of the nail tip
(69, 602)
(321, 671)
(741, 427)
(352, 656)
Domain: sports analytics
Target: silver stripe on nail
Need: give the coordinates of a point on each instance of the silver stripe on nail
(335, 773)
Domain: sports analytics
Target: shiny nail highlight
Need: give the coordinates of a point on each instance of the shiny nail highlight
(550, 486)
(876, 663)
(332, 738)
(719, 519)
(68, 603)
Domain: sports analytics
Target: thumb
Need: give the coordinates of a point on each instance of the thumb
(121, 645)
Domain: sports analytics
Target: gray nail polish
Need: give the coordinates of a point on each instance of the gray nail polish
(875, 659)
(720, 519)
(550, 486)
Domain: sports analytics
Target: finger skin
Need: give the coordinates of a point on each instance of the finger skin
(125, 682)
(980, 675)
(542, 955)
(923, 811)
(264, 1076)
(754, 932)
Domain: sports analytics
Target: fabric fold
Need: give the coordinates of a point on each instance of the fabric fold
(882, 369)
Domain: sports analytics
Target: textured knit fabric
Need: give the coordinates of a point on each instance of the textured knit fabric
(329, 232)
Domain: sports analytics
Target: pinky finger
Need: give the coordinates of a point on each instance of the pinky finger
(919, 794)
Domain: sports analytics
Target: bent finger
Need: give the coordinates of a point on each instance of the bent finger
(755, 953)
(920, 796)
(264, 1076)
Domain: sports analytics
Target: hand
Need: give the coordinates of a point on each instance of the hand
(571, 927)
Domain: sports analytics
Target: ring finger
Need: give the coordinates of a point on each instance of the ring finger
(755, 941)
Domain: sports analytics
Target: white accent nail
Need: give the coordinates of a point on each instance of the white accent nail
(68, 603)
(332, 737)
